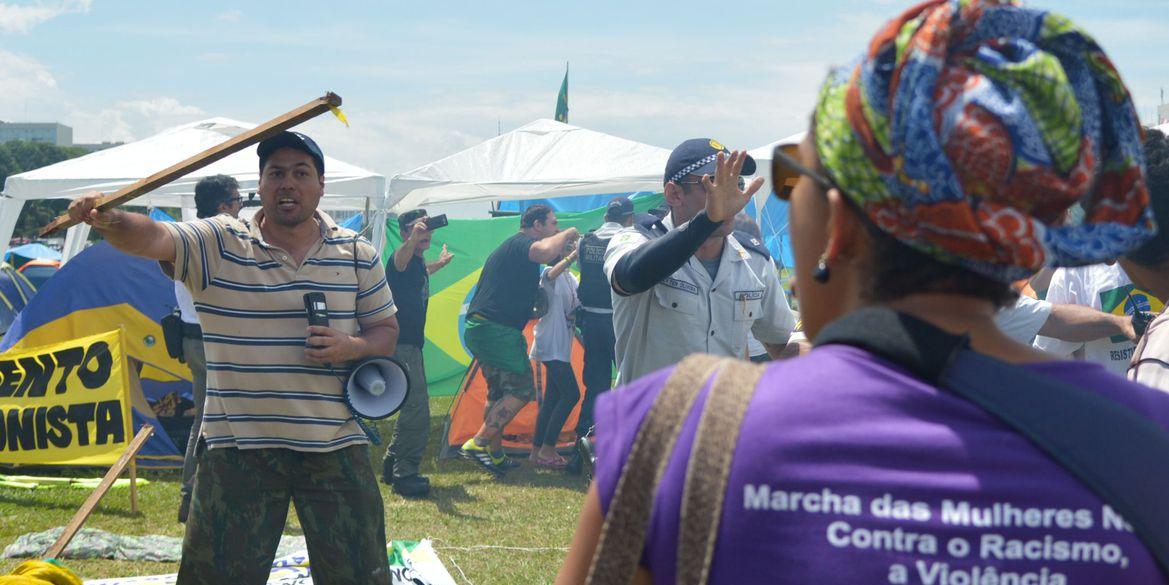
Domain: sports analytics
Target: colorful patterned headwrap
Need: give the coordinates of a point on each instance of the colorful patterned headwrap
(969, 127)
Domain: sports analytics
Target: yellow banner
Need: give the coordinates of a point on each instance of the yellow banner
(65, 404)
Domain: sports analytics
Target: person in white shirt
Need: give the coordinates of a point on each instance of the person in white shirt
(213, 195)
(687, 283)
(552, 345)
(1106, 288)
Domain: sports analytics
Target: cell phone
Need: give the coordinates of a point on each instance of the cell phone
(315, 309)
(433, 223)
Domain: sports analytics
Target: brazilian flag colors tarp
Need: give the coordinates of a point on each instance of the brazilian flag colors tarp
(471, 241)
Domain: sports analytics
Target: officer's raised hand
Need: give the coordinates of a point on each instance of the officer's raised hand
(724, 198)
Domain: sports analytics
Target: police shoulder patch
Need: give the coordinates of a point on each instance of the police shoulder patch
(751, 243)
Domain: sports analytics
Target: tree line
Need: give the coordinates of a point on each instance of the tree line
(19, 156)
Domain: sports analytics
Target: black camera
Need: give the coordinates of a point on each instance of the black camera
(1140, 322)
(251, 201)
(433, 223)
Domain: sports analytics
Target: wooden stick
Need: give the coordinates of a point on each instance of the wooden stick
(134, 485)
(94, 497)
(198, 161)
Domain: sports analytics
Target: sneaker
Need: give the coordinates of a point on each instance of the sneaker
(504, 462)
(412, 486)
(481, 456)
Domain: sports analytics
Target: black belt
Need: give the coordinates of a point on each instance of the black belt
(192, 330)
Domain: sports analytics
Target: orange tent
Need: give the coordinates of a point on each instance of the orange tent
(466, 413)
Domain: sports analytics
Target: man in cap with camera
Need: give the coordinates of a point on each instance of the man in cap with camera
(276, 424)
(409, 278)
(688, 283)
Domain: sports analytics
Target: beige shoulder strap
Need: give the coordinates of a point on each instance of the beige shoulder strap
(623, 535)
(709, 466)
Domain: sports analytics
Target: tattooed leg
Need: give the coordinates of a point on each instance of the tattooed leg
(496, 419)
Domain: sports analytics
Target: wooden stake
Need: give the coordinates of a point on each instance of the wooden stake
(134, 486)
(194, 163)
(106, 482)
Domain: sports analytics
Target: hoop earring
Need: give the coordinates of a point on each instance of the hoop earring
(821, 273)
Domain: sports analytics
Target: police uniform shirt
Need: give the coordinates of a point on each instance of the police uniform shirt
(688, 312)
(595, 292)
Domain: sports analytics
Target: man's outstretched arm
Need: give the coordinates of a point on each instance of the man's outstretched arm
(1081, 324)
(132, 233)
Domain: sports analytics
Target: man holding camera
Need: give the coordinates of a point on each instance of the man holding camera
(276, 424)
(409, 278)
(499, 311)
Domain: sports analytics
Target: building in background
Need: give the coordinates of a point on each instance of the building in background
(51, 132)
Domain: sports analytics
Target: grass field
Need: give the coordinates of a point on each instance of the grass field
(466, 515)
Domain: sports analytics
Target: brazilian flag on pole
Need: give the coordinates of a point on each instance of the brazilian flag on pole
(562, 99)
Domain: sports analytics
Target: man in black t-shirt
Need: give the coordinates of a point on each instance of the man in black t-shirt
(408, 274)
(499, 310)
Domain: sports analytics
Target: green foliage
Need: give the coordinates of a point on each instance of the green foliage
(20, 156)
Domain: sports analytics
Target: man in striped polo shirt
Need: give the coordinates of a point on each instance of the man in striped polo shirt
(275, 423)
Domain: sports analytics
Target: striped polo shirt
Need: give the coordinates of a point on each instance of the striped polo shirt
(261, 390)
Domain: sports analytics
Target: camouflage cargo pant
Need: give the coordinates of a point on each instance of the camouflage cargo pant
(241, 504)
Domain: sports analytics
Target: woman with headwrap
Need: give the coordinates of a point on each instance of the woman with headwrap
(936, 172)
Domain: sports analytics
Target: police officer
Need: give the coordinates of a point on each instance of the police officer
(596, 310)
(687, 283)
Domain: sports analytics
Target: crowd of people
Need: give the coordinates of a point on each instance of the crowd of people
(975, 189)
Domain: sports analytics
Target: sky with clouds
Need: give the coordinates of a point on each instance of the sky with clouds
(423, 80)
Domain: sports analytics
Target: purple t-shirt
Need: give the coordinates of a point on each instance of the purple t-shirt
(849, 470)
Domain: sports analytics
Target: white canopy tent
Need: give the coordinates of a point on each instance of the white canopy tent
(347, 187)
(542, 159)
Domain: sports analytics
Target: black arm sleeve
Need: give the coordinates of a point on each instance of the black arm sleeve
(637, 271)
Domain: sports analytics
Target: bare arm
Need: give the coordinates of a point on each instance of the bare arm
(132, 233)
(548, 249)
(444, 258)
(556, 271)
(1078, 323)
(334, 347)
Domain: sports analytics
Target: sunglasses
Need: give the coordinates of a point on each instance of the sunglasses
(742, 182)
(786, 172)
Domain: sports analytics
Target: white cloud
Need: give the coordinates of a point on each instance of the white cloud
(233, 15)
(27, 86)
(159, 108)
(127, 121)
(22, 18)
